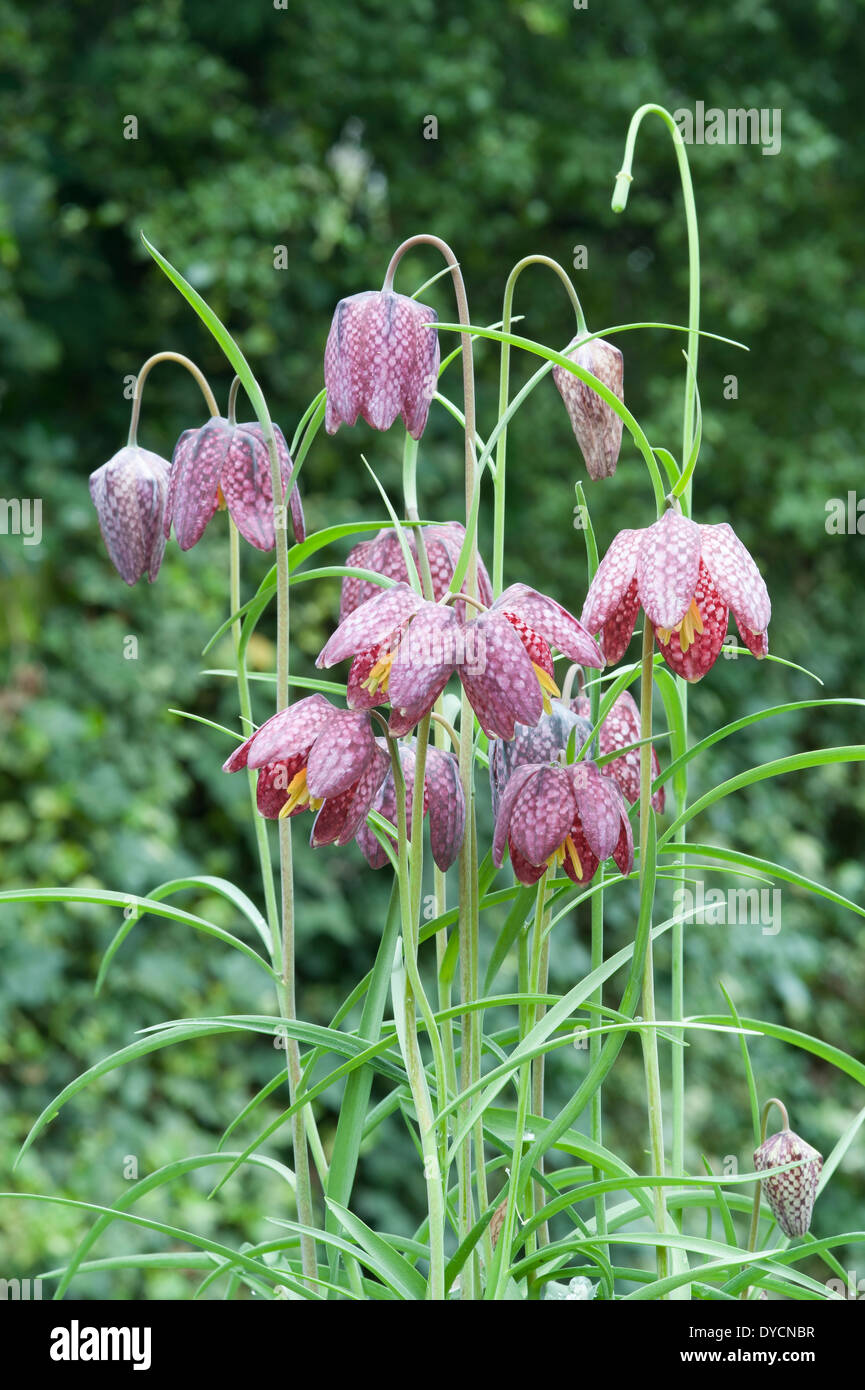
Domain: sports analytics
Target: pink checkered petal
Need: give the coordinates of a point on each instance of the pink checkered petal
(756, 642)
(196, 469)
(791, 1196)
(597, 427)
(736, 578)
(515, 784)
(428, 650)
(253, 492)
(446, 807)
(599, 807)
(371, 624)
(526, 873)
(272, 787)
(619, 628)
(443, 546)
(554, 623)
(542, 814)
(587, 857)
(623, 854)
(500, 681)
(339, 818)
(358, 696)
(667, 567)
(611, 582)
(704, 650)
(380, 361)
(129, 494)
(291, 731)
(340, 753)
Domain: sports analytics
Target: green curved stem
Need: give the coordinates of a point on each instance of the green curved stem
(145, 371)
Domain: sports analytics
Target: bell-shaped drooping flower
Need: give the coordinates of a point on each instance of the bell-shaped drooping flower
(686, 578)
(226, 465)
(381, 361)
(791, 1195)
(443, 802)
(405, 650)
(596, 425)
(383, 555)
(562, 815)
(313, 756)
(129, 493)
(545, 742)
(620, 729)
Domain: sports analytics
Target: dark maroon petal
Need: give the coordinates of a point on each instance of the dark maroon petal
(380, 361)
(619, 627)
(238, 759)
(371, 624)
(611, 582)
(357, 695)
(588, 859)
(526, 873)
(443, 546)
(383, 555)
(703, 652)
(129, 494)
(542, 814)
(446, 806)
(620, 728)
(339, 818)
(544, 743)
(736, 578)
(515, 785)
(599, 807)
(554, 623)
(428, 650)
(341, 751)
(623, 854)
(291, 731)
(756, 642)
(597, 427)
(196, 469)
(273, 782)
(667, 567)
(500, 682)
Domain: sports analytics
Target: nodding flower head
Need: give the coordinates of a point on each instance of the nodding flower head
(128, 493)
(569, 816)
(224, 465)
(381, 361)
(686, 578)
(596, 425)
(383, 555)
(546, 741)
(620, 729)
(405, 650)
(313, 756)
(791, 1196)
(443, 803)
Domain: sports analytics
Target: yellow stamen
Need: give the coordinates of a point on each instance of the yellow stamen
(298, 793)
(573, 856)
(379, 676)
(548, 687)
(691, 623)
(221, 503)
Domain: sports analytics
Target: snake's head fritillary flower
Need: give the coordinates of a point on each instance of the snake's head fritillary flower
(791, 1196)
(596, 425)
(224, 465)
(620, 729)
(443, 803)
(406, 648)
(381, 361)
(568, 816)
(313, 756)
(545, 742)
(129, 493)
(383, 555)
(686, 578)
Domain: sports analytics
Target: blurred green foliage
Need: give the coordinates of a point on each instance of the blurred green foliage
(259, 128)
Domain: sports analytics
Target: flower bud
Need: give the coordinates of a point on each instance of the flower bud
(596, 425)
(790, 1195)
(381, 361)
(128, 493)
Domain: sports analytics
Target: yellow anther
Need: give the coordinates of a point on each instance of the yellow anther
(548, 687)
(298, 793)
(691, 623)
(573, 856)
(379, 675)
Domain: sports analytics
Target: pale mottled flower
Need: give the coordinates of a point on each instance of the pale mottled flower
(443, 804)
(383, 555)
(128, 493)
(381, 361)
(596, 425)
(620, 729)
(791, 1196)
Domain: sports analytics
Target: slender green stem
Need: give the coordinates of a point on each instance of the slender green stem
(649, 1036)
(413, 1060)
(758, 1187)
(504, 388)
(145, 371)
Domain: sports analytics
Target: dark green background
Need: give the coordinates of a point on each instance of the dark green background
(260, 127)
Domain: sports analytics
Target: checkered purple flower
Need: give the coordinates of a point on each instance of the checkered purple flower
(597, 427)
(621, 728)
(443, 803)
(569, 816)
(223, 465)
(128, 493)
(383, 555)
(686, 578)
(313, 756)
(544, 742)
(791, 1196)
(381, 361)
(405, 649)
